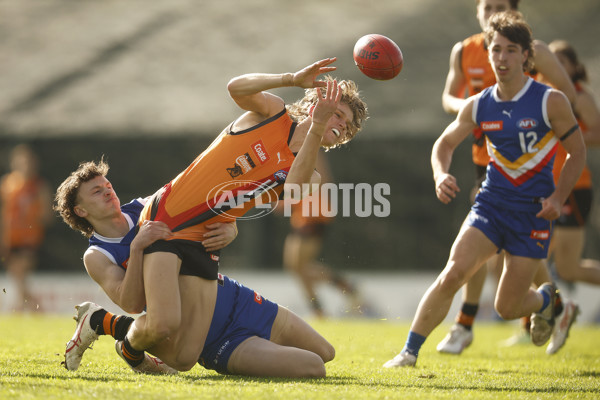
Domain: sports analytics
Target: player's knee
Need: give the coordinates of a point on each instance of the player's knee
(567, 274)
(162, 329)
(451, 280)
(183, 365)
(327, 353)
(314, 367)
(506, 311)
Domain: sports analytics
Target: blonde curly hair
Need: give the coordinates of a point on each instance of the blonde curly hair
(350, 95)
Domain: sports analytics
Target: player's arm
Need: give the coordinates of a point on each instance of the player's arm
(443, 149)
(547, 64)
(126, 288)
(129, 295)
(303, 170)
(453, 95)
(249, 91)
(588, 113)
(566, 129)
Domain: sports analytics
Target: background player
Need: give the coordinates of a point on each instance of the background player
(523, 122)
(26, 212)
(470, 72)
(568, 238)
(303, 245)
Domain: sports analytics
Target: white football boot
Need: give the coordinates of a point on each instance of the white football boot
(404, 359)
(84, 335)
(150, 365)
(542, 323)
(458, 339)
(561, 331)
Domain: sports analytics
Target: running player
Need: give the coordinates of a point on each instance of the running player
(246, 334)
(303, 245)
(25, 213)
(262, 149)
(470, 72)
(523, 121)
(568, 238)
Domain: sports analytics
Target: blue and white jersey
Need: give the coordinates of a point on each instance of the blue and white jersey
(521, 145)
(117, 249)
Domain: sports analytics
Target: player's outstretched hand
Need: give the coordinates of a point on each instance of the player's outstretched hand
(307, 77)
(327, 103)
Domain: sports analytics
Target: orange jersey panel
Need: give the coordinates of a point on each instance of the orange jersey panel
(22, 219)
(238, 171)
(475, 65)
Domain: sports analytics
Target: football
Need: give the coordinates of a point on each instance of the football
(378, 57)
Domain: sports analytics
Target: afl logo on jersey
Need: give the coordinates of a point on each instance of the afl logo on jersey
(280, 176)
(527, 123)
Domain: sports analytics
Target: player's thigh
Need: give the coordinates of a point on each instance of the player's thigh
(259, 357)
(291, 330)
(469, 252)
(516, 279)
(182, 350)
(161, 286)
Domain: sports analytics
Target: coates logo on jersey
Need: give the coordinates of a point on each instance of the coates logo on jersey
(540, 235)
(258, 298)
(488, 126)
(243, 199)
(261, 153)
(527, 123)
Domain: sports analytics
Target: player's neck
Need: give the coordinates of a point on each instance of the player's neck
(508, 89)
(299, 135)
(113, 227)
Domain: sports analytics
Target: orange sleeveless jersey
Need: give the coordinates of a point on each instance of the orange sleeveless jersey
(22, 224)
(478, 74)
(585, 179)
(218, 186)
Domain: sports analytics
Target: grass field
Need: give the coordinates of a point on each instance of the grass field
(31, 350)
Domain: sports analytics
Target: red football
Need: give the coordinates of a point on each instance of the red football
(378, 57)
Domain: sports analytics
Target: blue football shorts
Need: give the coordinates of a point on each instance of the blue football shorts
(519, 233)
(240, 313)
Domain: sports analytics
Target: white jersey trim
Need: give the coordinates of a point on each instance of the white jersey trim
(101, 250)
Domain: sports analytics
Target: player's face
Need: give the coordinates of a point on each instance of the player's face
(506, 58)
(96, 198)
(486, 8)
(338, 126)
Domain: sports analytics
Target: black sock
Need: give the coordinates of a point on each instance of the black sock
(132, 356)
(96, 321)
(118, 325)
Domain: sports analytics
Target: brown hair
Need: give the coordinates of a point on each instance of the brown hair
(564, 48)
(350, 96)
(514, 4)
(66, 194)
(512, 26)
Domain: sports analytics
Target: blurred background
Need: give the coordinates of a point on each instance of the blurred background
(143, 83)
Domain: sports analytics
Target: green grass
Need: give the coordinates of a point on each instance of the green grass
(31, 350)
